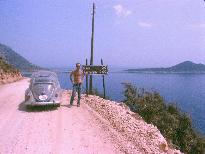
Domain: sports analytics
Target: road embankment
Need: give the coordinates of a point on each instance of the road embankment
(9, 77)
(133, 132)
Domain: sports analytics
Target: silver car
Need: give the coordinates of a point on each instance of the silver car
(44, 89)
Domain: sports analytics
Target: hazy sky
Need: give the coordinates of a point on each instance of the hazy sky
(139, 33)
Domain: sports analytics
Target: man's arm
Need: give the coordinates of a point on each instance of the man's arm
(84, 74)
(71, 79)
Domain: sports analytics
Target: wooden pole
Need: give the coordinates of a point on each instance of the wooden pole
(92, 45)
(103, 81)
(86, 78)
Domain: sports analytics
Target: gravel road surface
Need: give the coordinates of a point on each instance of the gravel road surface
(55, 131)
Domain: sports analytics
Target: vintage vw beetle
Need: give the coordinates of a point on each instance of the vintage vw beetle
(44, 89)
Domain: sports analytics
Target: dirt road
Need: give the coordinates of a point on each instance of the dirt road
(61, 131)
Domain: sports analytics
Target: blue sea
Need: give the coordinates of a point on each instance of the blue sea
(187, 90)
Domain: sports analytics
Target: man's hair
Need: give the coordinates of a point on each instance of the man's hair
(77, 64)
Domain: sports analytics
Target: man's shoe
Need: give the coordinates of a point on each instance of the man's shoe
(78, 105)
(70, 105)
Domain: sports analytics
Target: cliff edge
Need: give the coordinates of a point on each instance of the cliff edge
(134, 134)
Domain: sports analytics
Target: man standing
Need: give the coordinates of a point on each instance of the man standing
(78, 75)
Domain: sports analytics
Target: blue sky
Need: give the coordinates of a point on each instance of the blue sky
(128, 33)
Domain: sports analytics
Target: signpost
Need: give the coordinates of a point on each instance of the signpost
(103, 80)
(94, 69)
(86, 78)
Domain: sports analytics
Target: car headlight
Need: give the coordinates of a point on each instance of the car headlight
(43, 97)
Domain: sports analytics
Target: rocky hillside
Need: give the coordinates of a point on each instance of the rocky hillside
(8, 73)
(134, 134)
(16, 60)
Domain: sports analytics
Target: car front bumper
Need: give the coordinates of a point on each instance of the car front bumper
(34, 103)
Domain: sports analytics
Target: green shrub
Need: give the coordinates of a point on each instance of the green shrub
(175, 125)
(6, 67)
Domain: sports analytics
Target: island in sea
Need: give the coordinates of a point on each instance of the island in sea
(184, 67)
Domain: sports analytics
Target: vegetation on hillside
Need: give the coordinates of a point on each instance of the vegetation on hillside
(16, 60)
(175, 125)
(6, 68)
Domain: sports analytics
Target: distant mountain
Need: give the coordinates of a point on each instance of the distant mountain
(184, 67)
(16, 60)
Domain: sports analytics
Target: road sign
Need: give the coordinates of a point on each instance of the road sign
(94, 69)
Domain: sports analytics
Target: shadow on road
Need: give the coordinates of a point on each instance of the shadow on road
(46, 108)
(68, 105)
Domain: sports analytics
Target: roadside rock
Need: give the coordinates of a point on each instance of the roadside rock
(145, 137)
(9, 77)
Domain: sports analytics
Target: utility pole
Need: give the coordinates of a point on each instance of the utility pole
(92, 45)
